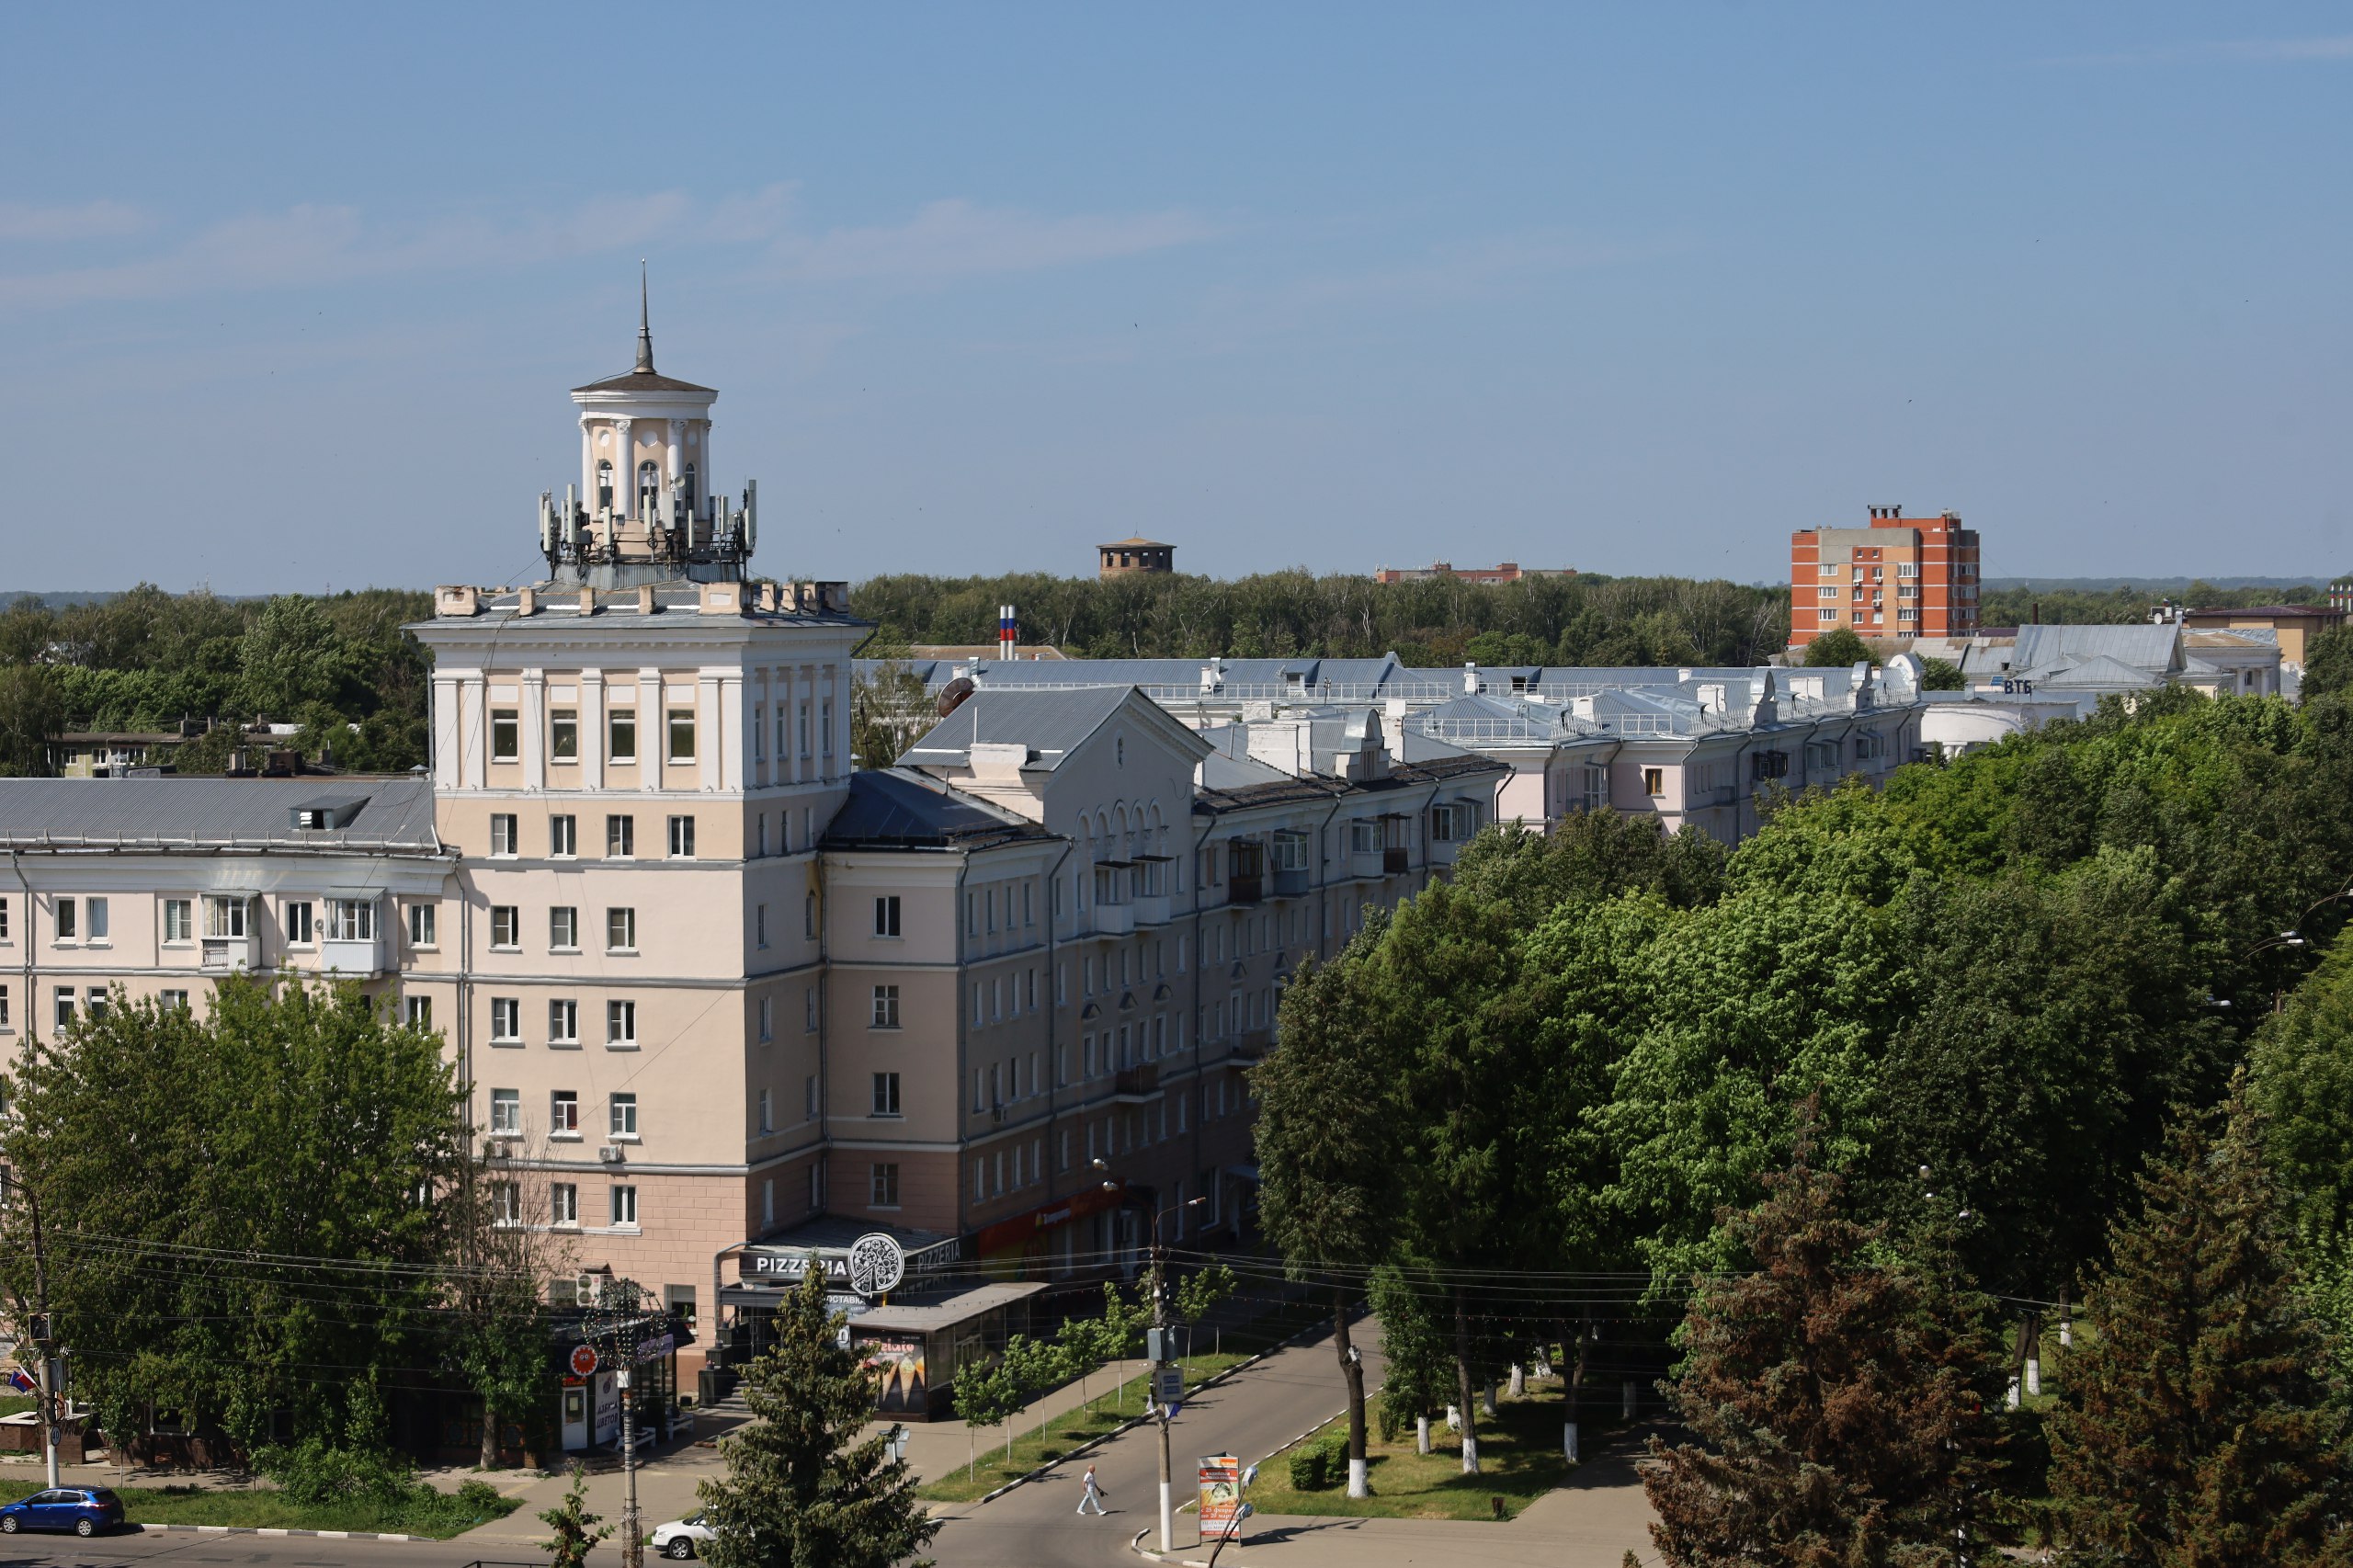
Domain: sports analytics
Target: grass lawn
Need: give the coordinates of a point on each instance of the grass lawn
(440, 1516)
(1065, 1432)
(1519, 1459)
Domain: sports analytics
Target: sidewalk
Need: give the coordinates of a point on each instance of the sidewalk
(935, 1448)
(665, 1482)
(1592, 1521)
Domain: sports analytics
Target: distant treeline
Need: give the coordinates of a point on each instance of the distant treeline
(1542, 620)
(2057, 606)
(146, 660)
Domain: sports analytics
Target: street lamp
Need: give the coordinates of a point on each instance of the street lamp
(1158, 1347)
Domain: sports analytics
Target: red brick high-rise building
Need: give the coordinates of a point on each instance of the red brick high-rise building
(1899, 577)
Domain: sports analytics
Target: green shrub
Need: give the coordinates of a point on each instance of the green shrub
(1321, 1463)
(314, 1471)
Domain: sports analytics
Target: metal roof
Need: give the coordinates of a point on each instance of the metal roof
(192, 812)
(1053, 723)
(2154, 647)
(898, 809)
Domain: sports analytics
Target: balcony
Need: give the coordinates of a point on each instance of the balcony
(224, 953)
(1368, 865)
(1239, 889)
(1291, 881)
(1150, 908)
(1394, 862)
(360, 959)
(1251, 1046)
(1133, 1086)
(1114, 919)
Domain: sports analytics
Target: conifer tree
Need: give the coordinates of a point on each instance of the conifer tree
(2198, 1427)
(803, 1489)
(1840, 1402)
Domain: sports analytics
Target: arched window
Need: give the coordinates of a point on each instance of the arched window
(694, 496)
(603, 485)
(649, 487)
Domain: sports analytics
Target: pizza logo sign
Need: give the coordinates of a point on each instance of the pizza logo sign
(877, 1264)
(584, 1360)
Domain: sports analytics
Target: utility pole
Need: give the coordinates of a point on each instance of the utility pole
(1160, 1338)
(623, 1322)
(44, 1337)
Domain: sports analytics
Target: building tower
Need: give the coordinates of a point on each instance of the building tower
(645, 509)
(1128, 557)
(633, 763)
(1898, 577)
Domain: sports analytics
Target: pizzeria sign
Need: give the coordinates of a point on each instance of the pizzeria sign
(871, 1265)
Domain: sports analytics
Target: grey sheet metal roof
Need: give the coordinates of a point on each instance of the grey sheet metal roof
(2153, 646)
(932, 1314)
(192, 812)
(896, 809)
(1051, 722)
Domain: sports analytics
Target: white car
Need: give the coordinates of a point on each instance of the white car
(680, 1538)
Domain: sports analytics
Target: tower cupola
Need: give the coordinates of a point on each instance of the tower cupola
(645, 509)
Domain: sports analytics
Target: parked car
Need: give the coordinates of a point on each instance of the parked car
(680, 1538)
(85, 1510)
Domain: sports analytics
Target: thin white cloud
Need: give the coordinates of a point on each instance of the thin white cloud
(960, 239)
(87, 220)
(322, 245)
(2331, 47)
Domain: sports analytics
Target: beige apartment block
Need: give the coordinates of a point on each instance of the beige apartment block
(633, 782)
(157, 888)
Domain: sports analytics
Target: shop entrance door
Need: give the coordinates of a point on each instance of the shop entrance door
(575, 1417)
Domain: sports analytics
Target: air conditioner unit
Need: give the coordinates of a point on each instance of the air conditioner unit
(610, 1152)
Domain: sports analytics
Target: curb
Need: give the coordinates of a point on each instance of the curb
(1133, 1422)
(254, 1530)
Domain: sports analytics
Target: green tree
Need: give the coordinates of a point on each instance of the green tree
(985, 1395)
(1838, 1402)
(804, 1489)
(1459, 1010)
(1942, 675)
(1327, 1152)
(2328, 663)
(1837, 648)
(2055, 1018)
(575, 1530)
(888, 708)
(291, 657)
(294, 1123)
(2198, 1426)
(30, 718)
(1419, 1379)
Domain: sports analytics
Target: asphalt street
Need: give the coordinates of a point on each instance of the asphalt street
(1035, 1525)
(1252, 1414)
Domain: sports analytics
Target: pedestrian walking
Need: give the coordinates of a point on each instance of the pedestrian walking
(1094, 1493)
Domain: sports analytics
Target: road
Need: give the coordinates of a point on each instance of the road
(1032, 1527)
(1250, 1415)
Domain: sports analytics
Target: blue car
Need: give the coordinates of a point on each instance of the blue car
(85, 1510)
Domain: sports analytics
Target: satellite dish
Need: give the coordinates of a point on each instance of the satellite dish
(952, 695)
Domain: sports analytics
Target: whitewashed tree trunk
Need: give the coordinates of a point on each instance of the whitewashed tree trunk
(1487, 1399)
(1519, 1384)
(1358, 1486)
(1453, 1419)
(1470, 1454)
(1421, 1434)
(1569, 1440)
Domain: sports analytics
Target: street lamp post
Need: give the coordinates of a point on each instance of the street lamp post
(624, 1328)
(1163, 1332)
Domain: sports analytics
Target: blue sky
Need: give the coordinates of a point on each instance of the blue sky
(293, 294)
